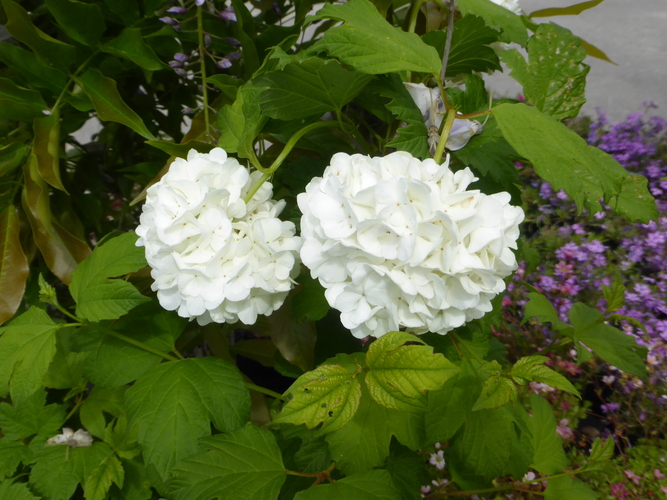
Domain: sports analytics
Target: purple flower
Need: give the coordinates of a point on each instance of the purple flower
(181, 57)
(177, 10)
(199, 3)
(228, 14)
(610, 408)
(169, 20)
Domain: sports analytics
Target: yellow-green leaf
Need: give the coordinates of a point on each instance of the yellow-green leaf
(13, 266)
(46, 146)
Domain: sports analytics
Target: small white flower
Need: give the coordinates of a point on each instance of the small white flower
(77, 439)
(433, 110)
(214, 257)
(438, 459)
(398, 242)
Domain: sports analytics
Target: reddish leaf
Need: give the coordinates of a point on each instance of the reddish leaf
(45, 146)
(13, 266)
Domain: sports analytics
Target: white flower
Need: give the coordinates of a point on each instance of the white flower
(214, 257)
(511, 5)
(76, 439)
(438, 459)
(399, 242)
(433, 110)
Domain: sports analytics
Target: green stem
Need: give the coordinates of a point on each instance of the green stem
(57, 305)
(71, 79)
(413, 17)
(263, 390)
(449, 121)
(202, 64)
(139, 344)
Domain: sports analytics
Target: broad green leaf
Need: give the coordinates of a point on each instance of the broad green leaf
(372, 485)
(412, 138)
(328, 395)
(174, 403)
(100, 479)
(563, 159)
(635, 201)
(601, 451)
(81, 21)
(474, 99)
(497, 391)
(46, 147)
(66, 369)
(11, 455)
(126, 10)
(399, 375)
(309, 88)
(31, 417)
(548, 454)
(13, 264)
(408, 472)
(521, 453)
(101, 400)
(27, 64)
(540, 307)
(49, 50)
(554, 77)
(55, 476)
(309, 302)
(181, 150)
(572, 10)
(611, 344)
(228, 85)
(532, 369)
(570, 488)
(136, 483)
(368, 43)
(108, 102)
(496, 17)
(245, 464)
(123, 442)
(451, 405)
(470, 51)
(241, 121)
(97, 297)
(27, 347)
(295, 340)
(18, 103)
(130, 45)
(12, 156)
(16, 491)
(313, 456)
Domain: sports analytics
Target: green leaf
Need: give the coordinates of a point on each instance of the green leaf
(11, 455)
(470, 51)
(172, 405)
(570, 488)
(245, 464)
(31, 417)
(18, 103)
(309, 302)
(368, 43)
(328, 395)
(496, 17)
(181, 150)
(46, 147)
(108, 102)
(56, 476)
(399, 375)
(49, 50)
(563, 159)
(635, 200)
(126, 10)
(27, 64)
(13, 265)
(497, 391)
(412, 138)
(473, 100)
(548, 454)
(136, 484)
(572, 10)
(554, 77)
(309, 88)
(98, 298)
(612, 345)
(82, 22)
(27, 347)
(532, 369)
(16, 491)
(12, 156)
(372, 485)
(602, 451)
(241, 121)
(451, 406)
(408, 471)
(130, 45)
(540, 307)
(100, 479)
(101, 400)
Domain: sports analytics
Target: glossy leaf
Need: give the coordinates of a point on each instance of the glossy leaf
(27, 347)
(12, 156)
(46, 147)
(99, 481)
(173, 404)
(532, 369)
(17, 103)
(372, 485)
(328, 395)
(27, 64)
(245, 464)
(108, 103)
(97, 297)
(131, 45)
(548, 457)
(81, 21)
(496, 17)
(399, 375)
(368, 43)
(13, 264)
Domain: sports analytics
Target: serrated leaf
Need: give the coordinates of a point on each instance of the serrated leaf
(18, 103)
(27, 64)
(570, 488)
(540, 307)
(56, 476)
(531, 368)
(328, 395)
(408, 472)
(173, 404)
(614, 295)
(496, 17)
(27, 347)
(601, 451)
(108, 103)
(81, 21)
(554, 77)
(309, 88)
(16, 491)
(31, 417)
(11, 455)
(313, 456)
(473, 100)
(548, 454)
(101, 400)
(563, 159)
(368, 43)
(245, 464)
(241, 121)
(497, 391)
(399, 375)
(100, 479)
(309, 303)
(372, 485)
(13, 264)
(470, 51)
(131, 45)
(612, 345)
(99, 298)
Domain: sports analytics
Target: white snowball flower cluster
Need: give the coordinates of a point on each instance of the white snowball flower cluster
(214, 257)
(399, 242)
